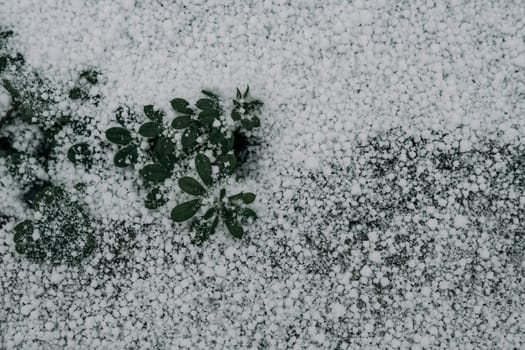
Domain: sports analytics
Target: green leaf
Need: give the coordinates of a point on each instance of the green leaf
(154, 173)
(210, 95)
(216, 136)
(227, 144)
(79, 153)
(152, 114)
(150, 129)
(248, 197)
(186, 210)
(155, 199)
(235, 115)
(118, 135)
(251, 123)
(189, 137)
(91, 76)
(214, 225)
(11, 89)
(76, 93)
(126, 156)
(23, 235)
(227, 164)
(180, 105)
(248, 213)
(191, 186)
(3, 63)
(232, 224)
(164, 152)
(239, 95)
(253, 105)
(209, 116)
(181, 122)
(246, 92)
(203, 229)
(206, 103)
(203, 167)
(209, 213)
(245, 197)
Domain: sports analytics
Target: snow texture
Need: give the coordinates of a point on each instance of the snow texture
(5, 102)
(390, 178)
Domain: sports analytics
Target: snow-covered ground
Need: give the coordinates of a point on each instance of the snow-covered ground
(390, 177)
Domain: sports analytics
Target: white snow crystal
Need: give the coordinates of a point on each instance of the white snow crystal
(375, 256)
(5, 101)
(460, 221)
(311, 163)
(465, 146)
(432, 224)
(338, 310)
(372, 236)
(519, 60)
(484, 253)
(366, 271)
(26, 309)
(220, 270)
(355, 190)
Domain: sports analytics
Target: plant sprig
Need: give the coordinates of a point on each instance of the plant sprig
(229, 209)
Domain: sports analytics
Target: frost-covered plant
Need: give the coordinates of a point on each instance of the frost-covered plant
(196, 129)
(81, 91)
(227, 208)
(61, 232)
(203, 130)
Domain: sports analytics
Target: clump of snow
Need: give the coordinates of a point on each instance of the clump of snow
(5, 101)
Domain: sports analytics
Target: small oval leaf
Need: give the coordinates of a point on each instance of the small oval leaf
(210, 94)
(251, 123)
(79, 153)
(233, 225)
(209, 213)
(181, 122)
(126, 156)
(203, 167)
(118, 135)
(248, 213)
(186, 210)
(189, 138)
(215, 136)
(152, 114)
(154, 173)
(150, 129)
(248, 197)
(23, 235)
(191, 186)
(206, 103)
(245, 197)
(180, 105)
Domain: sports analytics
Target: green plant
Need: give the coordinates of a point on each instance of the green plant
(81, 91)
(61, 234)
(61, 231)
(227, 208)
(245, 111)
(202, 130)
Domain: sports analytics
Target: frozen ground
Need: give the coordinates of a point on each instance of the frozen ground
(390, 178)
